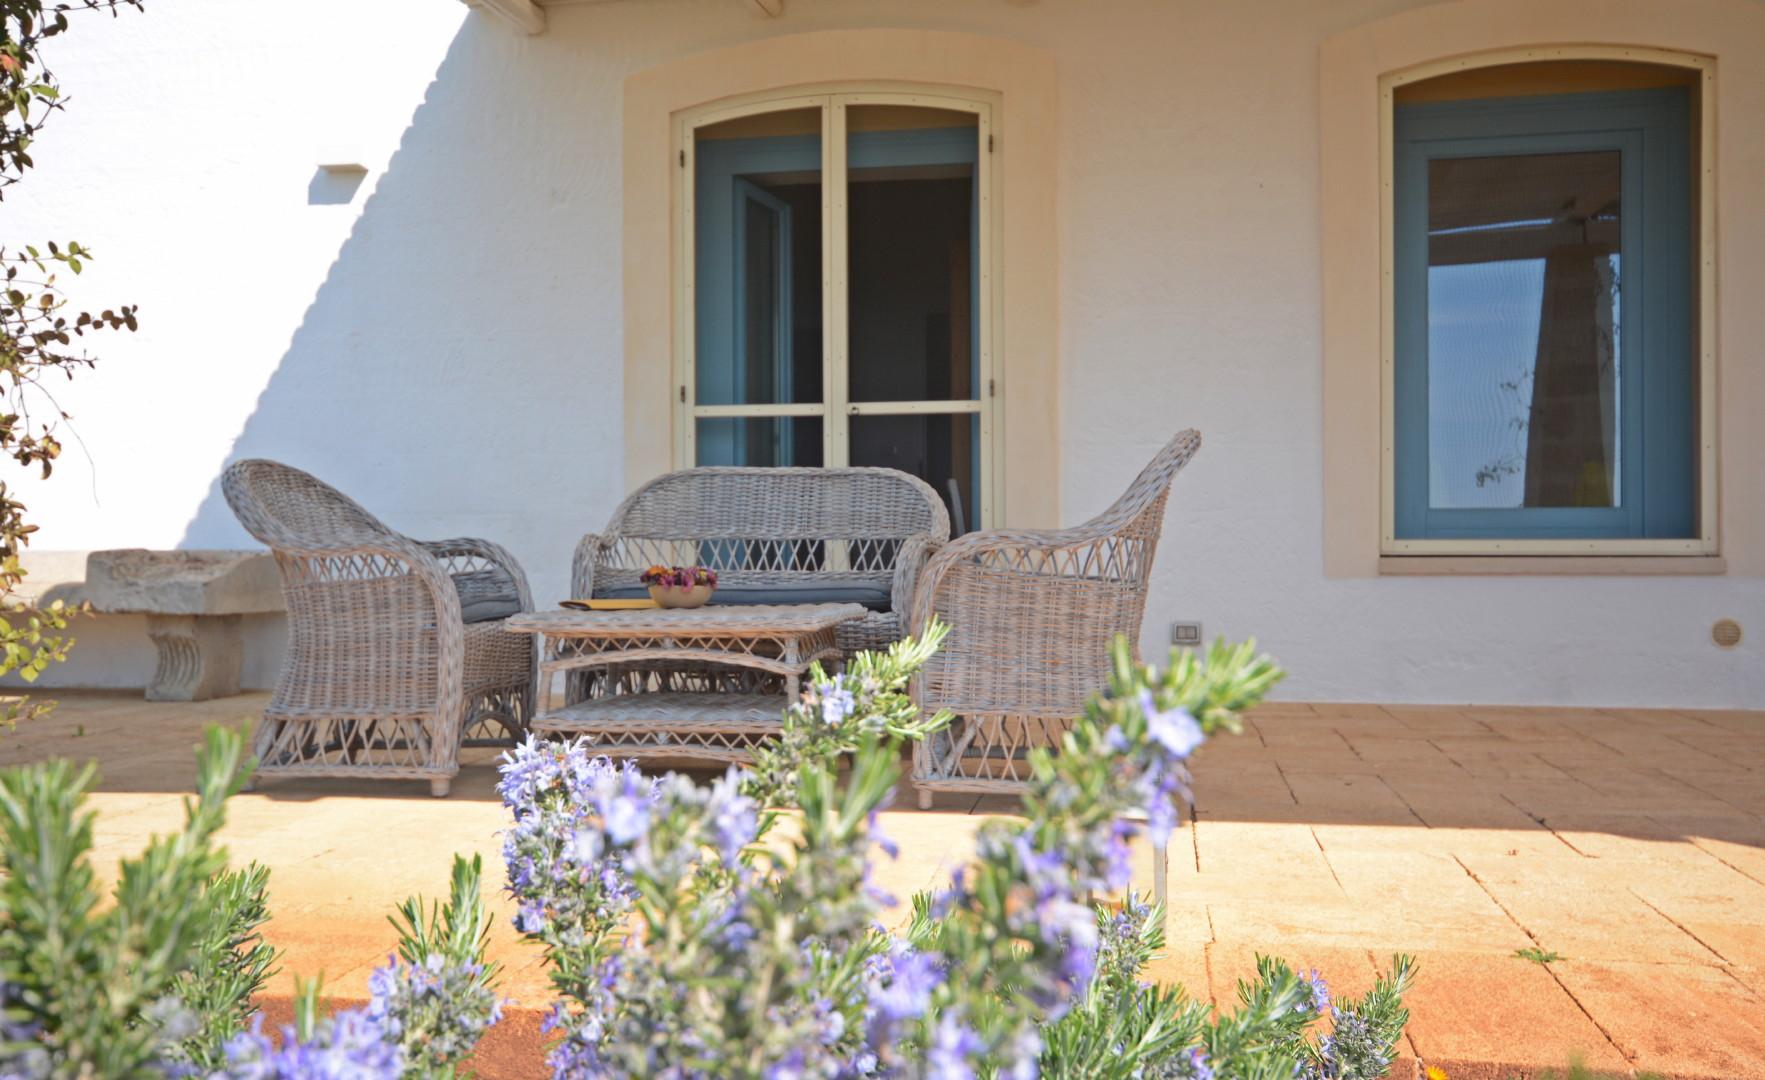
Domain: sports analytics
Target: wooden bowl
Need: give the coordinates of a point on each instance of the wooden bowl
(669, 596)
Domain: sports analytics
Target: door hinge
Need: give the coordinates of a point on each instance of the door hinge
(989, 144)
(683, 159)
(683, 395)
(991, 388)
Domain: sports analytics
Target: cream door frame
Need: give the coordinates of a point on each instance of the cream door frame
(1705, 543)
(835, 409)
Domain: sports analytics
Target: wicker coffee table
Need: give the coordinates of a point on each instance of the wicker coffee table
(704, 683)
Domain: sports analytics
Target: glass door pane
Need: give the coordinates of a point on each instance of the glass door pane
(757, 279)
(911, 253)
(943, 449)
(759, 441)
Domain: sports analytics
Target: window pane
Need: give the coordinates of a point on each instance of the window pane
(1524, 387)
(758, 441)
(942, 450)
(912, 266)
(757, 231)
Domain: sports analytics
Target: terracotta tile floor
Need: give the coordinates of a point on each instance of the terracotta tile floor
(1630, 842)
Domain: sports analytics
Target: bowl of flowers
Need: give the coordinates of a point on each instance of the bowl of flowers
(680, 586)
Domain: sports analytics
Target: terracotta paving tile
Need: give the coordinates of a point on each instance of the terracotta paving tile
(1336, 760)
(1685, 1021)
(1508, 765)
(1417, 755)
(1583, 912)
(1352, 924)
(1741, 791)
(1625, 836)
(1365, 798)
(1183, 965)
(1330, 835)
(1298, 738)
(1281, 708)
(1238, 847)
(1744, 721)
(1482, 1016)
(1743, 857)
(1722, 909)
(1348, 709)
(1436, 719)
(1753, 978)
(1540, 798)
(1411, 881)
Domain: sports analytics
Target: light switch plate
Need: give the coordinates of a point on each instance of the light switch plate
(1186, 634)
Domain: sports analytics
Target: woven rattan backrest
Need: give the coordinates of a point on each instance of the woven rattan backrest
(284, 507)
(766, 525)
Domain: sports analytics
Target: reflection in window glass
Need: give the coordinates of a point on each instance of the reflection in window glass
(1524, 387)
(757, 240)
(758, 440)
(911, 208)
(941, 449)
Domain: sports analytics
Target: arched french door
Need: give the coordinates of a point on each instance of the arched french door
(837, 291)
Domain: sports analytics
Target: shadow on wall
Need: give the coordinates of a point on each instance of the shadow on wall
(454, 368)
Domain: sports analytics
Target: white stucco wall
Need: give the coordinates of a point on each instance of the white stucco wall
(446, 345)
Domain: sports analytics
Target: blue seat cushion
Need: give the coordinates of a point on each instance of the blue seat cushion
(486, 595)
(874, 597)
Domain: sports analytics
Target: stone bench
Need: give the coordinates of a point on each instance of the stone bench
(193, 601)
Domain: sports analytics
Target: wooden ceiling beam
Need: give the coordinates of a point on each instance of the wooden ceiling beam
(522, 13)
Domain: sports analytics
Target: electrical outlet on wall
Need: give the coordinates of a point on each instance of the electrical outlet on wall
(1186, 634)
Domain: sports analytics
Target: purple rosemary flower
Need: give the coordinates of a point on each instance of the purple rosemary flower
(953, 1046)
(793, 1067)
(1320, 991)
(435, 1011)
(880, 838)
(346, 1046)
(624, 809)
(1197, 1066)
(733, 817)
(837, 703)
(1173, 729)
(903, 990)
(1117, 856)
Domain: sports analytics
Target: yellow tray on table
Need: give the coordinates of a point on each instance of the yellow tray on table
(609, 605)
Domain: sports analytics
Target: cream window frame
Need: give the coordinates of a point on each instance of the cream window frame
(1705, 543)
(835, 408)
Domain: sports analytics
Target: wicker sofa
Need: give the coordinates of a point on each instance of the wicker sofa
(396, 648)
(777, 536)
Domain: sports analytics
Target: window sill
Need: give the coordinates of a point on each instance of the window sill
(1557, 565)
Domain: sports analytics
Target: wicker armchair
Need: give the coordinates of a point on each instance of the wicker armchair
(396, 647)
(1031, 616)
(777, 535)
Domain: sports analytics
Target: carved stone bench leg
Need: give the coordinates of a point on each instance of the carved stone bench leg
(199, 657)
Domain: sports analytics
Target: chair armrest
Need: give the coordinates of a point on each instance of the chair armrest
(589, 551)
(909, 566)
(463, 555)
(417, 560)
(1031, 552)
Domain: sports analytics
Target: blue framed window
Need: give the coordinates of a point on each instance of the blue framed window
(1544, 383)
